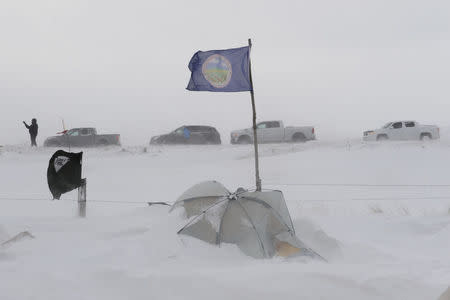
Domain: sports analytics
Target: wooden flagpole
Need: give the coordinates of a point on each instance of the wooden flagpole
(255, 136)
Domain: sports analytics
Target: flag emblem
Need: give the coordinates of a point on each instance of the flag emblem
(59, 162)
(220, 70)
(217, 70)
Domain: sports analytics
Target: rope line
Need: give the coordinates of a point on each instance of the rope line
(378, 199)
(357, 184)
(398, 198)
(300, 200)
(72, 200)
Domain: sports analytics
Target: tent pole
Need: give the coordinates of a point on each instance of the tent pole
(255, 136)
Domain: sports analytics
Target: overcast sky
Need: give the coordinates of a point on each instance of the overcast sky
(342, 66)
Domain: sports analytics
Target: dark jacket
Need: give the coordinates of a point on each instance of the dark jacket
(33, 128)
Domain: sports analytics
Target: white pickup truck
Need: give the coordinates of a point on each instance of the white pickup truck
(402, 130)
(273, 132)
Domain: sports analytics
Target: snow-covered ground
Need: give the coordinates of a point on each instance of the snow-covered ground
(378, 212)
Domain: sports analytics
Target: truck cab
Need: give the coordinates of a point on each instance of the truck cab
(81, 136)
(270, 131)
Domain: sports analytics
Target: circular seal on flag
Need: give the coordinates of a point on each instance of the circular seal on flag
(217, 70)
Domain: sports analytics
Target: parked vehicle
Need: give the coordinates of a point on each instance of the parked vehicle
(273, 132)
(402, 130)
(189, 134)
(82, 137)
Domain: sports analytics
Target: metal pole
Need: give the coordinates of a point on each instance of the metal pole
(255, 136)
(82, 199)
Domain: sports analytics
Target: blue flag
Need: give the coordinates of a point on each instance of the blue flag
(220, 71)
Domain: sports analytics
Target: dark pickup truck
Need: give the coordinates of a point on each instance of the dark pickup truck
(82, 137)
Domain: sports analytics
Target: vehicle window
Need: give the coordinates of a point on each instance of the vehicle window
(409, 124)
(199, 128)
(74, 133)
(262, 125)
(208, 130)
(387, 125)
(85, 131)
(273, 124)
(397, 125)
(179, 131)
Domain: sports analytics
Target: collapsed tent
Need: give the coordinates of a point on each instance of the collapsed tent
(257, 222)
(64, 172)
(18, 237)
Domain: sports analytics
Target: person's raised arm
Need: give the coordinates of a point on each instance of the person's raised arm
(28, 127)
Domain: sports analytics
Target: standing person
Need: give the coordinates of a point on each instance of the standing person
(186, 133)
(33, 130)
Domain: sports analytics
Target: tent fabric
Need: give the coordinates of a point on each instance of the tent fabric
(206, 188)
(257, 222)
(276, 200)
(64, 172)
(205, 194)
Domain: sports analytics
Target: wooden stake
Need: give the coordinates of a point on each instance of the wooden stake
(82, 199)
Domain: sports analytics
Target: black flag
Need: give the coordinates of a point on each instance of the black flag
(64, 172)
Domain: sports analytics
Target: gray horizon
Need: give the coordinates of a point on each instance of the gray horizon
(342, 67)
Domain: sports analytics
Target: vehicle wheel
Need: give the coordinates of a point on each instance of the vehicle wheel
(298, 138)
(102, 143)
(382, 137)
(244, 140)
(425, 137)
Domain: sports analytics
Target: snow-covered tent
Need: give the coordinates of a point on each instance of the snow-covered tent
(257, 222)
(6, 240)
